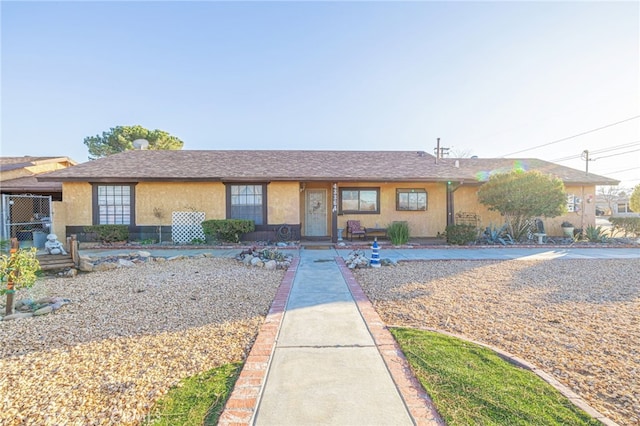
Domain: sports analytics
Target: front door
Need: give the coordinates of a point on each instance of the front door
(316, 213)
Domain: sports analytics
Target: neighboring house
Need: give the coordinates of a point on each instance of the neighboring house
(314, 193)
(26, 202)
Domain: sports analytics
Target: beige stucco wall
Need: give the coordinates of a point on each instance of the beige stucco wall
(283, 205)
(286, 205)
(167, 197)
(421, 223)
(466, 200)
(59, 218)
(77, 198)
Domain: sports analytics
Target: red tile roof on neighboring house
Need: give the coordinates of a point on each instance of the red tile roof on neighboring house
(296, 165)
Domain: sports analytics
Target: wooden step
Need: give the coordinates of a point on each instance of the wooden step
(55, 261)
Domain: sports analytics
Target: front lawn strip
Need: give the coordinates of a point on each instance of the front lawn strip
(196, 400)
(470, 384)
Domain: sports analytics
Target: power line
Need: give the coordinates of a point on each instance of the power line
(574, 136)
(615, 155)
(598, 151)
(615, 172)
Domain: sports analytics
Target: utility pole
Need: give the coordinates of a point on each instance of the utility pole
(585, 157)
(440, 152)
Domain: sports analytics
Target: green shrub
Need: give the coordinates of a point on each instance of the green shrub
(19, 268)
(398, 233)
(460, 234)
(630, 226)
(228, 229)
(109, 233)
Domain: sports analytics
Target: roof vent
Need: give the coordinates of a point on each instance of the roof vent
(141, 144)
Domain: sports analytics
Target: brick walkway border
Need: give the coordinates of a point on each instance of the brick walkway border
(415, 398)
(243, 402)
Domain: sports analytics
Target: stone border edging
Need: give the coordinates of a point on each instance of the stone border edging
(415, 398)
(519, 362)
(242, 404)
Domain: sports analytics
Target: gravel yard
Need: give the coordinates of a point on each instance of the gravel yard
(576, 319)
(127, 336)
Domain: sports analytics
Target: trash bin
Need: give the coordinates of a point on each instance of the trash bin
(39, 238)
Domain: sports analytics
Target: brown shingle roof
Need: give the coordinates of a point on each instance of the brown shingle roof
(29, 184)
(290, 165)
(13, 163)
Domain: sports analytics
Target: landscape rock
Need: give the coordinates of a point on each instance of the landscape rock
(43, 311)
(106, 266)
(125, 263)
(18, 315)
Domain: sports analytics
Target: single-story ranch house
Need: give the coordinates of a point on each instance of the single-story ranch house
(314, 193)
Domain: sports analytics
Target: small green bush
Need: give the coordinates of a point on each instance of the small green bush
(398, 233)
(19, 268)
(460, 234)
(630, 226)
(228, 229)
(109, 233)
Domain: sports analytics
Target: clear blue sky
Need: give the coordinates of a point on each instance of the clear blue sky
(489, 78)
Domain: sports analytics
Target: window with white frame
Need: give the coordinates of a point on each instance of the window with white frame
(247, 201)
(113, 204)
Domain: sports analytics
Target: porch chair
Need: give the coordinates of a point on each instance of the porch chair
(354, 228)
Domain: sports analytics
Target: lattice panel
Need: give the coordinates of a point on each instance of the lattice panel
(187, 226)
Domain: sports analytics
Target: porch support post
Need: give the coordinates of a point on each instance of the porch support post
(449, 204)
(451, 188)
(334, 212)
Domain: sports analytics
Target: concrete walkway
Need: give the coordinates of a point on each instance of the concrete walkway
(332, 362)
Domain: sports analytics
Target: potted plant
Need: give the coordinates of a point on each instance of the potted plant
(567, 228)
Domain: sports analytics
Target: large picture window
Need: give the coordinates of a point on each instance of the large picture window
(413, 199)
(360, 200)
(247, 202)
(113, 204)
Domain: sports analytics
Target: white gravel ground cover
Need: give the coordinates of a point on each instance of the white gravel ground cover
(576, 319)
(126, 338)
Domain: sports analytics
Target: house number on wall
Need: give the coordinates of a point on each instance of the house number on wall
(335, 197)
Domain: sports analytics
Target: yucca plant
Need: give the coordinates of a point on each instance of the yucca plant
(398, 233)
(595, 234)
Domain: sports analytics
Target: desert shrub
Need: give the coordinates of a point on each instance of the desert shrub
(494, 235)
(629, 226)
(460, 234)
(398, 233)
(109, 233)
(227, 229)
(595, 234)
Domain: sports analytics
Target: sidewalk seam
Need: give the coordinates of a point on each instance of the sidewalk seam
(418, 403)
